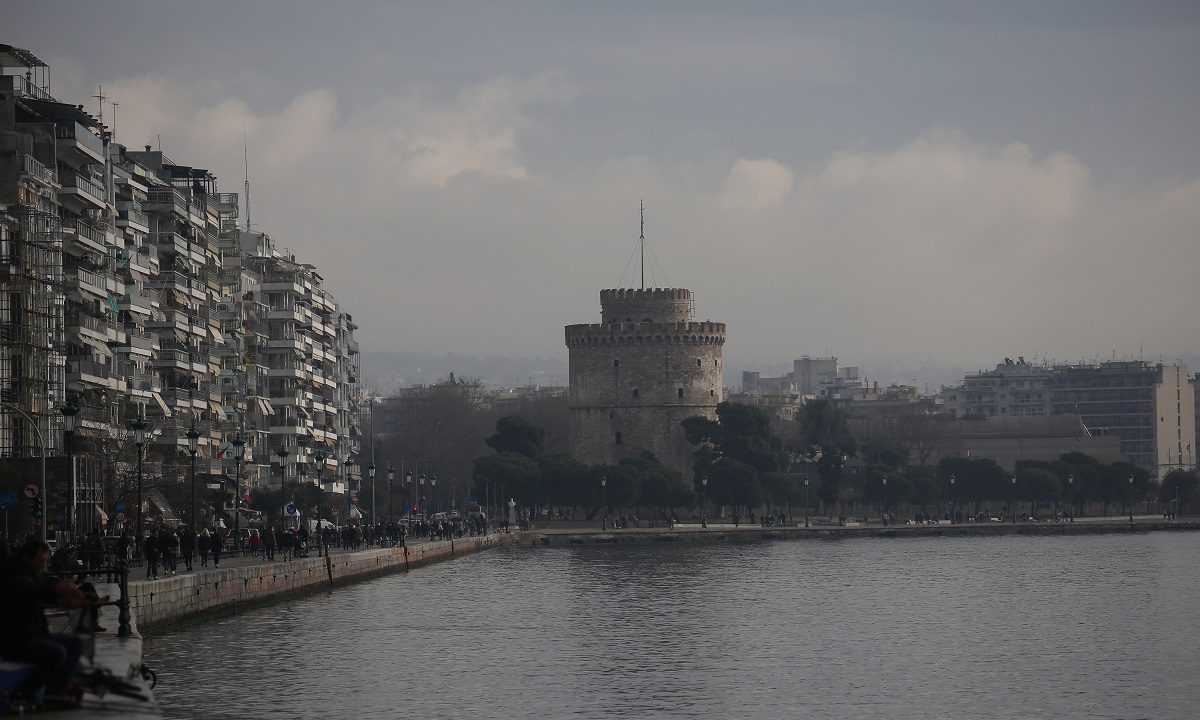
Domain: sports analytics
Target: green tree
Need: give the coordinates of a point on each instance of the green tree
(825, 437)
(735, 484)
(564, 480)
(1178, 487)
(662, 487)
(741, 433)
(518, 474)
(1038, 484)
(516, 435)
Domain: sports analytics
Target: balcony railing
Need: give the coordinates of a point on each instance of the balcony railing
(20, 87)
(135, 216)
(91, 323)
(71, 130)
(80, 182)
(91, 278)
(85, 230)
(34, 167)
(86, 367)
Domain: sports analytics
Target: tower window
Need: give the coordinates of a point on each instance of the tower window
(616, 363)
(617, 438)
(699, 362)
(680, 393)
(635, 392)
(711, 393)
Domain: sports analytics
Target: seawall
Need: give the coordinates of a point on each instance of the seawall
(184, 598)
(729, 533)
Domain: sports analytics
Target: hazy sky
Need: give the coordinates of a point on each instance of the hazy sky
(889, 182)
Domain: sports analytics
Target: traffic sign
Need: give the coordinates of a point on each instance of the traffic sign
(31, 490)
(7, 499)
(290, 509)
(119, 507)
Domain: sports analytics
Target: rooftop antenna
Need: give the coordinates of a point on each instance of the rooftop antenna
(101, 97)
(642, 241)
(114, 130)
(246, 158)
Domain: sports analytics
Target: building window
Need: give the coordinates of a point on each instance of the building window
(680, 393)
(711, 393)
(698, 362)
(635, 392)
(617, 438)
(616, 363)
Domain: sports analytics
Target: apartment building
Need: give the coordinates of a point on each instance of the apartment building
(130, 292)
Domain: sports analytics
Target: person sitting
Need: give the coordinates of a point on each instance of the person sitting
(26, 635)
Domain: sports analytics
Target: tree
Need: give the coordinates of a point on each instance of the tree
(1038, 484)
(741, 433)
(734, 483)
(515, 434)
(1178, 487)
(662, 487)
(825, 437)
(518, 474)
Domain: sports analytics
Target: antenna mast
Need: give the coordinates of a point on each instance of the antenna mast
(246, 159)
(642, 241)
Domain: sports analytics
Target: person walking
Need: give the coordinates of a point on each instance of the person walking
(151, 551)
(269, 542)
(255, 543)
(202, 544)
(187, 547)
(216, 543)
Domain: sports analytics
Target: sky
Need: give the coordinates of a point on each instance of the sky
(899, 184)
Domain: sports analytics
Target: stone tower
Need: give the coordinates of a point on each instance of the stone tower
(638, 373)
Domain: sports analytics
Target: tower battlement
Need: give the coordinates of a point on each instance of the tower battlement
(692, 333)
(641, 305)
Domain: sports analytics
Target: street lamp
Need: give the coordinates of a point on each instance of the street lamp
(885, 519)
(1071, 495)
(408, 492)
(193, 438)
(1130, 498)
(282, 453)
(320, 458)
(421, 501)
(1014, 499)
(953, 498)
(371, 474)
(604, 502)
(349, 462)
(391, 477)
(703, 501)
(138, 426)
(805, 502)
(70, 413)
(239, 453)
(433, 491)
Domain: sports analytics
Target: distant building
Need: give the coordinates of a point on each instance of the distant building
(636, 375)
(1141, 403)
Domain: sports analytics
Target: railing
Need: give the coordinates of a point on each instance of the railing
(90, 277)
(20, 87)
(173, 356)
(78, 181)
(117, 572)
(71, 130)
(34, 167)
(91, 323)
(87, 367)
(85, 230)
(136, 216)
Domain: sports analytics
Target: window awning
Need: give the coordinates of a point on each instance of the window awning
(103, 516)
(216, 334)
(265, 406)
(217, 409)
(162, 404)
(98, 346)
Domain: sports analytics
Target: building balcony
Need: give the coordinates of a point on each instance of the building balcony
(32, 168)
(133, 219)
(70, 135)
(87, 282)
(88, 191)
(173, 359)
(136, 304)
(292, 313)
(88, 371)
(86, 237)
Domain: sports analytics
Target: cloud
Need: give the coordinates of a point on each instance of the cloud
(755, 184)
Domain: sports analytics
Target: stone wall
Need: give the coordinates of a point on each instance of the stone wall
(183, 597)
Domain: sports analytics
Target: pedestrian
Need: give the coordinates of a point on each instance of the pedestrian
(202, 547)
(216, 542)
(187, 547)
(150, 550)
(255, 543)
(269, 542)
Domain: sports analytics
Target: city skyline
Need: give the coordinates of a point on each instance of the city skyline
(894, 186)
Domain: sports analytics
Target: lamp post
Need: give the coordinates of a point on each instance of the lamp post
(433, 492)
(703, 501)
(193, 439)
(885, 520)
(282, 453)
(349, 495)
(371, 474)
(1013, 501)
(239, 454)
(1071, 495)
(422, 503)
(805, 502)
(408, 493)
(604, 502)
(1130, 498)
(70, 413)
(391, 477)
(953, 499)
(138, 427)
(320, 458)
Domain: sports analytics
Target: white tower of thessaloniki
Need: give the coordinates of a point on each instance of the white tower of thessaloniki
(638, 373)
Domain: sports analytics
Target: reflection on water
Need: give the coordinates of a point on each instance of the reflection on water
(1010, 627)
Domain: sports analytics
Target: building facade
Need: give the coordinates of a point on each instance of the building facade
(636, 375)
